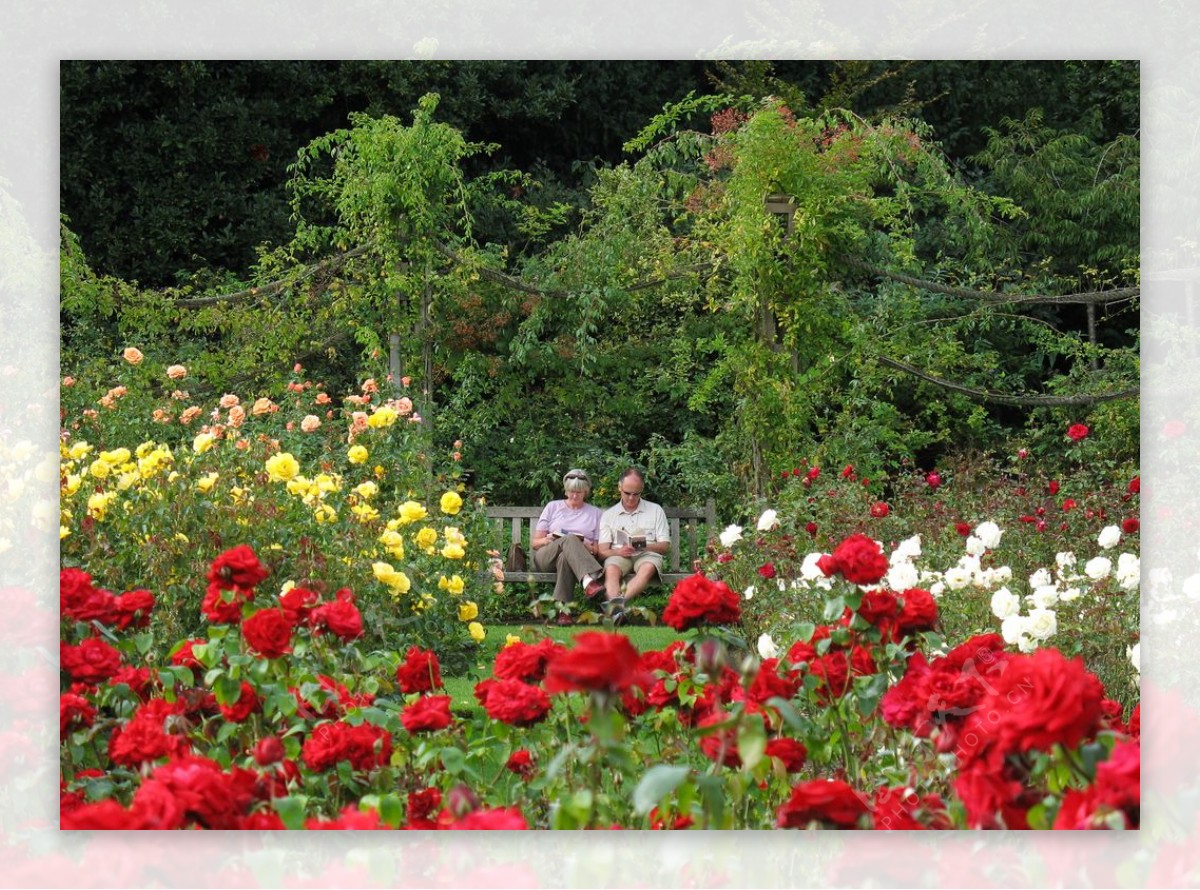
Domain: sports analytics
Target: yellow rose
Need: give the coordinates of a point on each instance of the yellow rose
(426, 538)
(116, 456)
(79, 451)
(207, 481)
(63, 531)
(475, 629)
(468, 611)
(453, 551)
(325, 513)
(99, 503)
(203, 442)
(100, 469)
(454, 536)
(383, 417)
(411, 511)
(366, 490)
(357, 454)
(364, 513)
(282, 467)
(451, 503)
(511, 640)
(455, 585)
(127, 479)
(300, 486)
(144, 449)
(72, 484)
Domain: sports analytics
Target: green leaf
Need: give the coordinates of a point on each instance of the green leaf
(659, 781)
(291, 810)
(834, 608)
(751, 742)
(391, 810)
(227, 690)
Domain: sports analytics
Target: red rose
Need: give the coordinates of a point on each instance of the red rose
(1069, 504)
(351, 818)
(297, 603)
(834, 673)
(829, 801)
(137, 679)
(768, 684)
(901, 809)
(104, 815)
(932, 479)
(523, 661)
(224, 605)
(92, 661)
(1077, 432)
(919, 612)
(812, 473)
(144, 737)
(79, 599)
(422, 807)
(521, 763)
(364, 746)
(74, 710)
(848, 471)
(767, 570)
(859, 560)
(268, 750)
(963, 528)
(1135, 485)
(268, 632)
(699, 600)
(720, 746)
(419, 672)
(879, 509)
(499, 819)
(599, 662)
(427, 714)
(247, 703)
(341, 617)
(877, 606)
(237, 567)
(1053, 487)
(512, 701)
(132, 609)
(208, 796)
(183, 656)
(789, 752)
(1130, 525)
(811, 528)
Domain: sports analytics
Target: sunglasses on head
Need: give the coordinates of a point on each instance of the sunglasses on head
(576, 476)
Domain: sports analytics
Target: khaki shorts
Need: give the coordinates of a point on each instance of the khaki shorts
(628, 564)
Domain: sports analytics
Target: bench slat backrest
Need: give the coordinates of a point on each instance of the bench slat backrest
(691, 528)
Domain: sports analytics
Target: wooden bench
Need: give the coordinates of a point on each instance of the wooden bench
(691, 529)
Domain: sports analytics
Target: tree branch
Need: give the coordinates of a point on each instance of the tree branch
(273, 287)
(1003, 398)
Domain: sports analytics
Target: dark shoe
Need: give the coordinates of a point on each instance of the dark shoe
(594, 589)
(619, 617)
(616, 610)
(564, 620)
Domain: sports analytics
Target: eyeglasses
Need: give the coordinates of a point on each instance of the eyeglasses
(630, 494)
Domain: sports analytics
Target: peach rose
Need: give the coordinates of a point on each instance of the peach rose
(189, 414)
(68, 381)
(177, 372)
(404, 406)
(228, 400)
(133, 355)
(237, 415)
(262, 406)
(369, 386)
(323, 398)
(310, 424)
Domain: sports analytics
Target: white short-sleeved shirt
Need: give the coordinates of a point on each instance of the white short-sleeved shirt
(646, 518)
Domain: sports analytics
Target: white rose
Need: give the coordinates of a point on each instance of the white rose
(907, 549)
(956, 578)
(1002, 574)
(749, 594)
(1044, 597)
(1005, 604)
(989, 533)
(768, 520)
(1070, 594)
(731, 535)
(1135, 656)
(1064, 560)
(1042, 623)
(1110, 537)
(902, 576)
(767, 647)
(1098, 568)
(1014, 628)
(1040, 578)
(1129, 572)
(809, 570)
(937, 588)
(975, 546)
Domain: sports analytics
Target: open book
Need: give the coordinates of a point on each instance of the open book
(636, 538)
(559, 533)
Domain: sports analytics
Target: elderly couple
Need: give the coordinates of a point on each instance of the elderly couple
(631, 537)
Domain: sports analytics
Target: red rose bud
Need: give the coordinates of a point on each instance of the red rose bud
(1069, 504)
(1041, 526)
(811, 528)
(1040, 511)
(725, 557)
(1053, 487)
(1022, 453)
(268, 751)
(1077, 432)
(848, 472)
(767, 570)
(879, 509)
(933, 480)
(710, 656)
(813, 472)
(784, 474)
(1130, 525)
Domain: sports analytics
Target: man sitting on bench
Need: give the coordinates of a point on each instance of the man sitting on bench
(634, 536)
